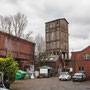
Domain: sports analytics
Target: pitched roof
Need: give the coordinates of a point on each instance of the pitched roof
(51, 58)
(82, 50)
(45, 67)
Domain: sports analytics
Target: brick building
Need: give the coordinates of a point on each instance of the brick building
(57, 37)
(22, 50)
(81, 61)
(53, 61)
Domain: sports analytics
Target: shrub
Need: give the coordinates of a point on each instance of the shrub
(9, 68)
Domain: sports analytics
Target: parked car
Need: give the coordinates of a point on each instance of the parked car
(80, 76)
(3, 85)
(3, 89)
(65, 76)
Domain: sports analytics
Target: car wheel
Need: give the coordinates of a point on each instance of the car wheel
(73, 80)
(81, 80)
(59, 79)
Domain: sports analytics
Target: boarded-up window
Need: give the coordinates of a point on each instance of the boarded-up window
(57, 34)
(57, 44)
(53, 24)
(54, 45)
(47, 37)
(48, 45)
(50, 25)
(53, 35)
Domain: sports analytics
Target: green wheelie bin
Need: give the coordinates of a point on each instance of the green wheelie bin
(21, 74)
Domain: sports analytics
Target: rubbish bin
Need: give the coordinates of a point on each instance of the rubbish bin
(22, 73)
(18, 76)
(29, 75)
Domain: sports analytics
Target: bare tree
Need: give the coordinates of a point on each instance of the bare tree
(15, 25)
(8, 24)
(19, 24)
(28, 35)
(40, 44)
(1, 23)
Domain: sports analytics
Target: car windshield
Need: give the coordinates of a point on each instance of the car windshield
(64, 73)
(78, 74)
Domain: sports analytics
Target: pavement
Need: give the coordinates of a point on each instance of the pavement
(52, 83)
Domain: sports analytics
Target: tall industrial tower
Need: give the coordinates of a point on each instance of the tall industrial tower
(56, 33)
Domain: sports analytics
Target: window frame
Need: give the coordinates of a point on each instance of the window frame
(86, 56)
(80, 69)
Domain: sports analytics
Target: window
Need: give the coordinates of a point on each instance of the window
(57, 34)
(47, 37)
(47, 30)
(47, 26)
(50, 25)
(86, 56)
(53, 24)
(46, 59)
(57, 53)
(51, 58)
(57, 28)
(53, 35)
(57, 22)
(54, 53)
(54, 45)
(51, 45)
(81, 68)
(57, 44)
(48, 46)
(50, 36)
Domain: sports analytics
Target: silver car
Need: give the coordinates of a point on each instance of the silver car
(80, 76)
(65, 76)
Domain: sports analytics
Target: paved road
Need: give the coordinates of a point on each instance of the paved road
(49, 84)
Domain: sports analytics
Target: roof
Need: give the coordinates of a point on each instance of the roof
(81, 50)
(51, 58)
(58, 19)
(45, 67)
(4, 33)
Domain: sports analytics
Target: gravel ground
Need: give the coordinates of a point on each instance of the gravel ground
(49, 84)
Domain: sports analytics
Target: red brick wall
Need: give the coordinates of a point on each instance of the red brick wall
(79, 61)
(20, 48)
(23, 63)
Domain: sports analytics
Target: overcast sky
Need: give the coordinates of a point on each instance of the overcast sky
(40, 11)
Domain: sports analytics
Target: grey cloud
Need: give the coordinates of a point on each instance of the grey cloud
(79, 31)
(40, 11)
(12, 1)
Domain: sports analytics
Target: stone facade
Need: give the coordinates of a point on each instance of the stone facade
(57, 37)
(22, 50)
(81, 61)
